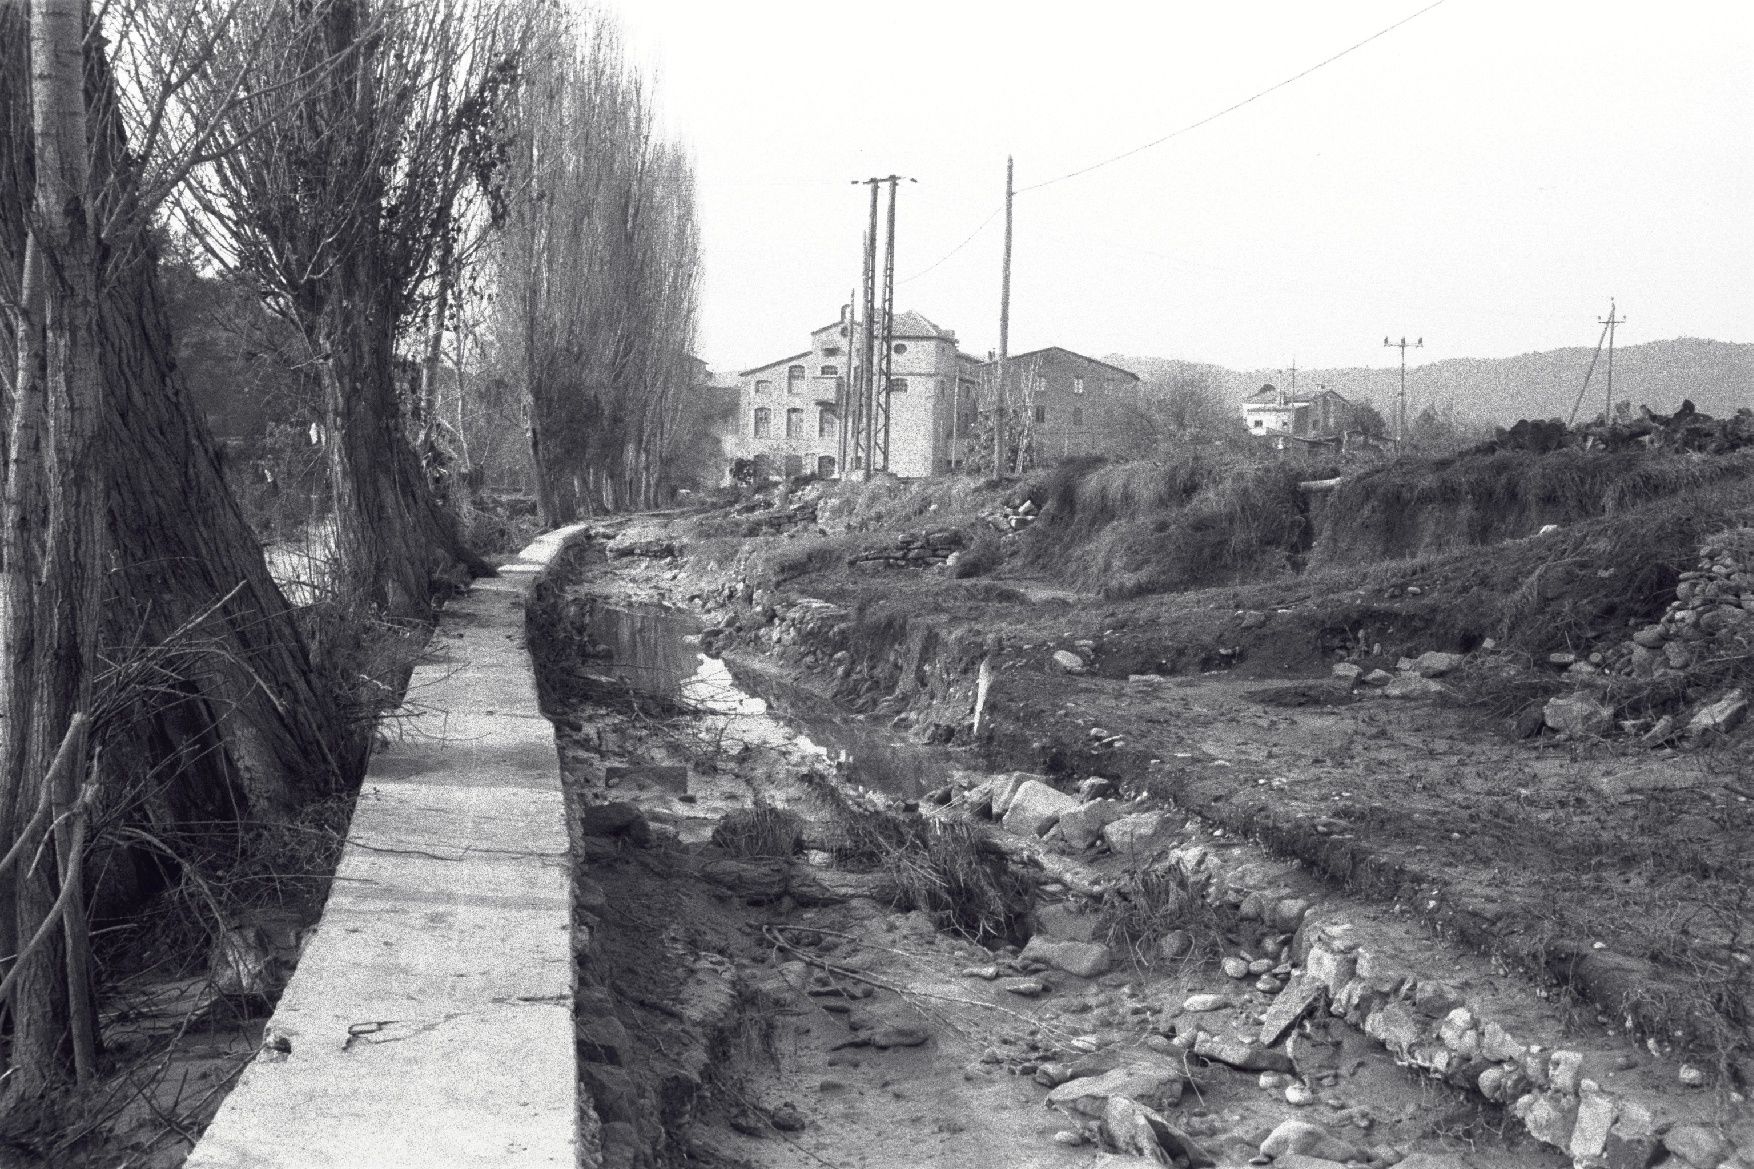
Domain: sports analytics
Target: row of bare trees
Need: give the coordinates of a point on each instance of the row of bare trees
(597, 273)
(398, 182)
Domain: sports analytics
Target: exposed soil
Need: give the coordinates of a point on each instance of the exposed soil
(780, 1011)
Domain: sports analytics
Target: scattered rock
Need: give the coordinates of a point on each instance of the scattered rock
(1082, 826)
(1131, 833)
(618, 821)
(1412, 686)
(1697, 1144)
(1035, 808)
(1436, 665)
(899, 1035)
(1298, 999)
(1719, 718)
(1060, 920)
(1200, 1003)
(1154, 1087)
(786, 1118)
(1084, 959)
(1130, 1127)
(1235, 967)
(1300, 1136)
(1027, 987)
(1176, 944)
(989, 973)
(1577, 713)
(1069, 661)
(1241, 1054)
(1299, 1095)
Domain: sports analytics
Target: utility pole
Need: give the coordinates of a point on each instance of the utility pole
(1403, 345)
(846, 386)
(888, 363)
(1004, 330)
(873, 392)
(1611, 321)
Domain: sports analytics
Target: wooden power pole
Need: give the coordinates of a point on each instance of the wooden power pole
(1610, 322)
(1004, 330)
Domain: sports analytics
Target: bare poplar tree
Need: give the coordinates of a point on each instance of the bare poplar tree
(599, 272)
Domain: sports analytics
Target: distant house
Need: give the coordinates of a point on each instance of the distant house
(1076, 405)
(788, 417)
(1320, 415)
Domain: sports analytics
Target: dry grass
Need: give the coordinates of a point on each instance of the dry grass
(760, 832)
(1130, 529)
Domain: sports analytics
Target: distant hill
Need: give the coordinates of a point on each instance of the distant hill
(1717, 375)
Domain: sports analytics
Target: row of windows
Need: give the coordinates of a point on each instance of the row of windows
(897, 385)
(825, 423)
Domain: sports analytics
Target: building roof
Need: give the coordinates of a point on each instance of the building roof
(1269, 394)
(912, 326)
(792, 360)
(1126, 373)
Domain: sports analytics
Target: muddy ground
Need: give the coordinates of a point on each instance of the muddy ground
(783, 1011)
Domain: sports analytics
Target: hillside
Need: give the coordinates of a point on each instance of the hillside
(1717, 375)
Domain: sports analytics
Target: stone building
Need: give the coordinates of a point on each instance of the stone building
(787, 417)
(1270, 412)
(1071, 404)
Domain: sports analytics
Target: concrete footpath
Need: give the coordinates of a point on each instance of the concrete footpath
(430, 1021)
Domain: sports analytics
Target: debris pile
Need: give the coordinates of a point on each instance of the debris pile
(1685, 430)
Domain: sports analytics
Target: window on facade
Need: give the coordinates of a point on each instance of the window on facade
(763, 422)
(794, 423)
(794, 465)
(1077, 416)
(825, 466)
(833, 350)
(1041, 413)
(830, 370)
(900, 348)
(762, 389)
(1259, 424)
(1077, 385)
(794, 379)
(825, 422)
(898, 385)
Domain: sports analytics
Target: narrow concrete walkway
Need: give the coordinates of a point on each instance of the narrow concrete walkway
(430, 1021)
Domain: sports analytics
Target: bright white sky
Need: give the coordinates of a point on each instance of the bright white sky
(1486, 176)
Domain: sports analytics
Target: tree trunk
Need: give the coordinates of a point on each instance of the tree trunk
(53, 561)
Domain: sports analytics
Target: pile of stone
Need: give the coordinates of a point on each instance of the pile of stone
(630, 545)
(927, 549)
(782, 519)
(1015, 517)
(1712, 616)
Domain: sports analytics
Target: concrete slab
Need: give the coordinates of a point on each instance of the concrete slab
(430, 1021)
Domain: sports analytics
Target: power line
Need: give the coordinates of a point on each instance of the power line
(997, 211)
(1207, 120)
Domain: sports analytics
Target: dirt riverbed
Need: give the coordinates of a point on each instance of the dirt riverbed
(782, 1011)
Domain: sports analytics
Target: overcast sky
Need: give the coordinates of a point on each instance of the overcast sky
(1486, 175)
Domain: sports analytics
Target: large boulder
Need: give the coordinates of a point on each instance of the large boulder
(1083, 825)
(1061, 921)
(1036, 808)
(1085, 959)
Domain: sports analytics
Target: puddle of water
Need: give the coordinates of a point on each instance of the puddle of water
(657, 651)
